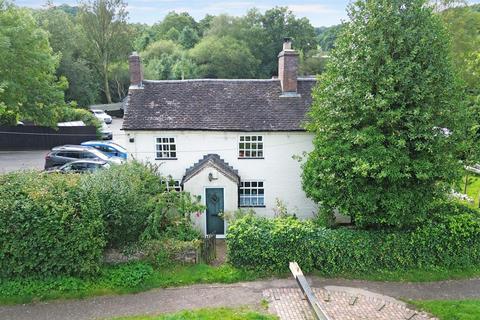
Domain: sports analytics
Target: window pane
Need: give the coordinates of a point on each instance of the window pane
(260, 138)
(172, 147)
(247, 138)
(260, 184)
(174, 154)
(172, 140)
(260, 154)
(260, 146)
(247, 184)
(261, 201)
(254, 138)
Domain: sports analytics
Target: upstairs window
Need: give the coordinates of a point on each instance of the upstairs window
(252, 194)
(166, 148)
(250, 147)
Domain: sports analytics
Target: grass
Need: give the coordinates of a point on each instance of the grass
(411, 275)
(473, 188)
(208, 314)
(122, 279)
(451, 309)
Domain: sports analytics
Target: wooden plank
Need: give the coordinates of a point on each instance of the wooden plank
(318, 311)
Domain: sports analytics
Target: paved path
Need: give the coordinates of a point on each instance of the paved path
(201, 296)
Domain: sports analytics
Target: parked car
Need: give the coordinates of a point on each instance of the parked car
(80, 166)
(106, 132)
(68, 153)
(101, 115)
(111, 149)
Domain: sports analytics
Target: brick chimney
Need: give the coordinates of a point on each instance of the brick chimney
(136, 75)
(287, 68)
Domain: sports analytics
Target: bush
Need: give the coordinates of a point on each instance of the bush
(125, 192)
(160, 253)
(270, 244)
(48, 226)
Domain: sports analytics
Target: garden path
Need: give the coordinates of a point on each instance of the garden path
(239, 294)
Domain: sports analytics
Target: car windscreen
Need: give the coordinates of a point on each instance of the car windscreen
(118, 147)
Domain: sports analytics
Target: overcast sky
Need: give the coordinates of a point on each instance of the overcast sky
(320, 12)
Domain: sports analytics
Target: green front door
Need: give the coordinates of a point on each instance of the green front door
(214, 201)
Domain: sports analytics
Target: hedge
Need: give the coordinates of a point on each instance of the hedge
(48, 226)
(270, 244)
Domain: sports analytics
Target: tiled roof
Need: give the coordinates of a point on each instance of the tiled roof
(215, 161)
(222, 105)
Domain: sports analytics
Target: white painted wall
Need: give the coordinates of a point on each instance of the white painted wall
(280, 173)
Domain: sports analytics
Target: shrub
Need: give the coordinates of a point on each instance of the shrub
(270, 244)
(125, 192)
(48, 226)
(163, 252)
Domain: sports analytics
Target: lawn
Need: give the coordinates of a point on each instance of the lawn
(127, 278)
(473, 188)
(451, 309)
(410, 275)
(208, 314)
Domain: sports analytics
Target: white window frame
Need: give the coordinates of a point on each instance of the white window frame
(166, 148)
(176, 185)
(253, 152)
(254, 196)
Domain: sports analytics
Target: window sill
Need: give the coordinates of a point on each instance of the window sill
(166, 158)
(252, 206)
(250, 158)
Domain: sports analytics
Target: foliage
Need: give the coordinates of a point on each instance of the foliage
(161, 253)
(208, 314)
(224, 57)
(450, 241)
(327, 36)
(231, 216)
(31, 89)
(126, 278)
(104, 21)
(380, 153)
(451, 309)
(49, 225)
(68, 41)
(125, 192)
(170, 213)
(72, 113)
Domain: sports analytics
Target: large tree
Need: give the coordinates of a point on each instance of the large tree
(29, 88)
(382, 151)
(224, 57)
(105, 23)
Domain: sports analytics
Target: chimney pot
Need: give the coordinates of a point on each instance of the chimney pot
(135, 66)
(287, 67)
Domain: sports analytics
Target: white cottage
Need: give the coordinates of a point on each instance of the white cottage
(232, 142)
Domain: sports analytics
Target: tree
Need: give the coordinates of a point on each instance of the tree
(67, 41)
(188, 38)
(173, 20)
(104, 21)
(327, 36)
(29, 88)
(224, 57)
(381, 152)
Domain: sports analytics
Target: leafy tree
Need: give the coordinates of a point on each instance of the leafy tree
(173, 20)
(463, 24)
(381, 154)
(224, 57)
(188, 38)
(312, 63)
(159, 48)
(172, 34)
(327, 35)
(104, 21)
(68, 41)
(30, 89)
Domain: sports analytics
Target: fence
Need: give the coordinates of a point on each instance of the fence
(208, 250)
(42, 138)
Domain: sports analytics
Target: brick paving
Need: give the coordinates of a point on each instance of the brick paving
(289, 304)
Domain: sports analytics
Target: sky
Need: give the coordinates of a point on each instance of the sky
(320, 12)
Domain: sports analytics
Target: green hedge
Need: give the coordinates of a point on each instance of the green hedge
(270, 244)
(48, 225)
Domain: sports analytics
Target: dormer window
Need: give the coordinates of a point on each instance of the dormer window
(250, 147)
(166, 148)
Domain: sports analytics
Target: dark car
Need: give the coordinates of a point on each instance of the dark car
(81, 166)
(68, 153)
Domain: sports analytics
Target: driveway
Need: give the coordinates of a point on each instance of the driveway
(21, 160)
(35, 159)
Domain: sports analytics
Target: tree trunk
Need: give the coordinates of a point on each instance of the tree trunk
(466, 182)
(106, 85)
